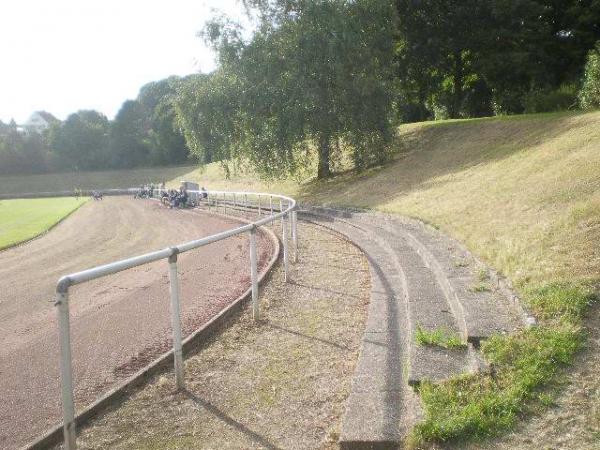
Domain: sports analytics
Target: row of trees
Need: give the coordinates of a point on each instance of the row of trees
(319, 80)
(144, 132)
(322, 78)
(465, 58)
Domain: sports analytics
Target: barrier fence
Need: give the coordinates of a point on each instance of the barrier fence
(254, 203)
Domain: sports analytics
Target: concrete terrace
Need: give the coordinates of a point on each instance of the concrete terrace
(422, 281)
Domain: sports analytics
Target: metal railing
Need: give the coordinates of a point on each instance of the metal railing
(214, 199)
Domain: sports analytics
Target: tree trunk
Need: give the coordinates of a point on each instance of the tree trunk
(324, 169)
(458, 86)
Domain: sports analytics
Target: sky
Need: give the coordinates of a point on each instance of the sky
(65, 55)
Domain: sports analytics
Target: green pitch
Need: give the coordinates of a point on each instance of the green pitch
(21, 220)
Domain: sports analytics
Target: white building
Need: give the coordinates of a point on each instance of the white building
(39, 122)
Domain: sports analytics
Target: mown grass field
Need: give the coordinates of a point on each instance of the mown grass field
(70, 181)
(21, 220)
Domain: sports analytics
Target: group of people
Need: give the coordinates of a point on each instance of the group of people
(176, 199)
(147, 190)
(171, 198)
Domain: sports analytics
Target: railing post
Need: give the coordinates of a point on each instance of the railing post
(271, 206)
(246, 206)
(66, 370)
(258, 197)
(176, 322)
(224, 203)
(254, 274)
(234, 202)
(208, 200)
(295, 235)
(284, 238)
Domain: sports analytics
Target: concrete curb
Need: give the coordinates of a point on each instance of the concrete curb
(54, 436)
(503, 283)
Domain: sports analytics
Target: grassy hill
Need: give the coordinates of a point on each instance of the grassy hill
(106, 179)
(524, 194)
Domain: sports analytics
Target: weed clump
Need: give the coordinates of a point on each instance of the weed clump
(439, 337)
(481, 405)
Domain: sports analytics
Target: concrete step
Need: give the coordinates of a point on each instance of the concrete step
(419, 279)
(478, 305)
(435, 363)
(374, 409)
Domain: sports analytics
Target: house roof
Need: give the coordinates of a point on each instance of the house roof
(47, 116)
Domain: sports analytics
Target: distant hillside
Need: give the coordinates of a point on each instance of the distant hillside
(521, 191)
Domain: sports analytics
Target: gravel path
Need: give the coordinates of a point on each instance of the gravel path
(119, 323)
(281, 383)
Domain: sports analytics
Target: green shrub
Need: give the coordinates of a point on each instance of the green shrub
(589, 96)
(541, 101)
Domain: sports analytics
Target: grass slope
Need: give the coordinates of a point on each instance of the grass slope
(69, 181)
(523, 193)
(21, 220)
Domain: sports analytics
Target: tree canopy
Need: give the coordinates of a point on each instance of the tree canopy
(314, 75)
(316, 83)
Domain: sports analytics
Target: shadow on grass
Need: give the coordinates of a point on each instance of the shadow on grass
(326, 290)
(221, 415)
(306, 336)
(432, 151)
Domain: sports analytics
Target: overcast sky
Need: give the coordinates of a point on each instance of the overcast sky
(65, 55)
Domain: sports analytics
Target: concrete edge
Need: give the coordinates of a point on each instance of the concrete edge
(392, 438)
(452, 297)
(504, 284)
(54, 436)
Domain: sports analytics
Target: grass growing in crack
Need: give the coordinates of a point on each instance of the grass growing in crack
(481, 287)
(559, 301)
(438, 337)
(483, 275)
(481, 405)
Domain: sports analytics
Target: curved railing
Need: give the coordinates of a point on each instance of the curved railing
(260, 204)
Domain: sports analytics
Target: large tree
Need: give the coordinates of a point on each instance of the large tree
(81, 141)
(166, 140)
(208, 109)
(313, 76)
(129, 136)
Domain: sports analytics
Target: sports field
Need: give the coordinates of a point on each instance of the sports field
(21, 220)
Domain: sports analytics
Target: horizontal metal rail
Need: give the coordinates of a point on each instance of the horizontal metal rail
(212, 198)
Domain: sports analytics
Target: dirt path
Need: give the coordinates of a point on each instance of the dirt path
(281, 383)
(120, 322)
